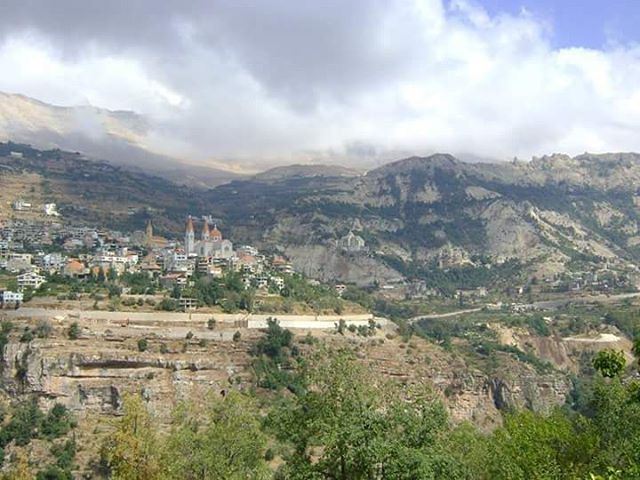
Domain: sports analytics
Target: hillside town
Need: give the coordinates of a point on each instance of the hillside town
(33, 253)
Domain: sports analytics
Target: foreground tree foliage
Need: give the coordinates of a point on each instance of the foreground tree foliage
(132, 451)
(221, 440)
(347, 423)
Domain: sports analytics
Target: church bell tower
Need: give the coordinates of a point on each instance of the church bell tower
(189, 237)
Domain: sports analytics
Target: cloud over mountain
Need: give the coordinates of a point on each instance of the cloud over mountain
(280, 81)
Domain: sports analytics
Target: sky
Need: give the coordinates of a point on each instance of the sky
(358, 82)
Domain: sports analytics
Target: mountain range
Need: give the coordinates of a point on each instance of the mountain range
(553, 213)
(416, 216)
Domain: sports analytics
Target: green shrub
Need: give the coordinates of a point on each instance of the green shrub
(53, 472)
(168, 305)
(27, 336)
(57, 422)
(74, 331)
(43, 329)
(64, 454)
(143, 344)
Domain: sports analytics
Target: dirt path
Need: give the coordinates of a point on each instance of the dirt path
(443, 315)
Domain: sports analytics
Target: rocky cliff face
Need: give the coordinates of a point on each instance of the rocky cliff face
(551, 210)
(90, 375)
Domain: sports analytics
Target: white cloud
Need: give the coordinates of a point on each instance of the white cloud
(281, 81)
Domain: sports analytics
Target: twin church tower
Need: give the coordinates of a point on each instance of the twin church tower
(211, 243)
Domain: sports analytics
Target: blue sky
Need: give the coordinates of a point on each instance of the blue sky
(580, 23)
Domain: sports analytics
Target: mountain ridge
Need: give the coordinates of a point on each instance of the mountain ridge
(118, 136)
(415, 216)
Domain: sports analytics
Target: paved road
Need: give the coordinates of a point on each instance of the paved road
(179, 318)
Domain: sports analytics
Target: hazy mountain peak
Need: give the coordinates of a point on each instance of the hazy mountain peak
(119, 137)
(438, 160)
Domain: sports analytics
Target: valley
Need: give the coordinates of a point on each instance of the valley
(493, 287)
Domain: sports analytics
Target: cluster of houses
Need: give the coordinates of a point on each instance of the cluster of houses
(596, 280)
(81, 252)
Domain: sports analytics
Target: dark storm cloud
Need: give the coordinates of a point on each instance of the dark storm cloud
(299, 51)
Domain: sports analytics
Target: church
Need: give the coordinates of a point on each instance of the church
(211, 243)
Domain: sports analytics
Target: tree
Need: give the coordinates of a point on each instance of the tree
(350, 425)
(168, 305)
(610, 363)
(143, 344)
(74, 331)
(57, 422)
(616, 415)
(114, 290)
(275, 340)
(101, 275)
(636, 348)
(223, 441)
(112, 274)
(530, 445)
(273, 366)
(53, 472)
(20, 470)
(132, 450)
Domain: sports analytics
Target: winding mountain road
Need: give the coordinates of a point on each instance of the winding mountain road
(541, 305)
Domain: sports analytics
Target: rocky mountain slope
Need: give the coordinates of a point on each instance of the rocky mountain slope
(416, 216)
(422, 212)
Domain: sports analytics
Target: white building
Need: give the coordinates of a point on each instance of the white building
(278, 282)
(11, 298)
(177, 261)
(247, 250)
(51, 262)
(30, 280)
(119, 260)
(20, 205)
(211, 243)
(4, 248)
(51, 210)
(351, 242)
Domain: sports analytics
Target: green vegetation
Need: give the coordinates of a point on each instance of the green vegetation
(275, 359)
(347, 422)
(350, 425)
(143, 345)
(221, 440)
(27, 422)
(74, 331)
(610, 363)
(448, 281)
